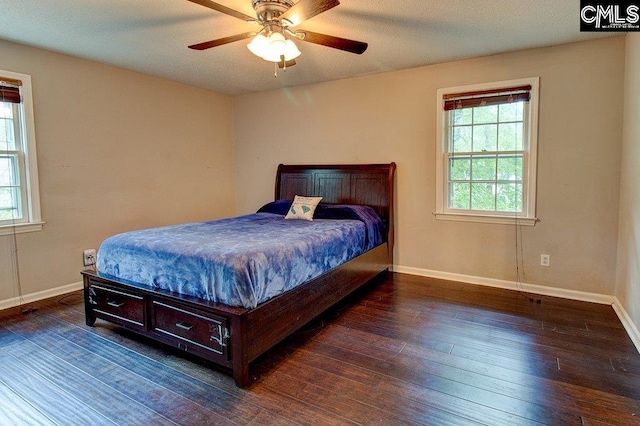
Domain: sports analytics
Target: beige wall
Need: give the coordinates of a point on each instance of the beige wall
(392, 116)
(117, 150)
(628, 273)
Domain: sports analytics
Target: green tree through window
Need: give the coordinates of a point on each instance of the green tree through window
(485, 161)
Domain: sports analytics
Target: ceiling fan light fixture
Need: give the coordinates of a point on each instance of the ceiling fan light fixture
(291, 51)
(259, 45)
(277, 43)
(273, 48)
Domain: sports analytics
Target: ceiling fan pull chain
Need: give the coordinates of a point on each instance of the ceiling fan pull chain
(275, 70)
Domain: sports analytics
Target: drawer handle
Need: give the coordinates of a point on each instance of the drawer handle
(115, 304)
(184, 325)
(223, 335)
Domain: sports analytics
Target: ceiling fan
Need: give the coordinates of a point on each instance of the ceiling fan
(277, 19)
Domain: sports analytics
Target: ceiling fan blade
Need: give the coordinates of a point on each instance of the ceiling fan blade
(221, 41)
(306, 9)
(224, 9)
(345, 44)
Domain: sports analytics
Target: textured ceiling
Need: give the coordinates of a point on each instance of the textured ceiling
(151, 36)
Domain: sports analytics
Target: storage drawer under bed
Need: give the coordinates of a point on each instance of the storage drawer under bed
(118, 306)
(190, 330)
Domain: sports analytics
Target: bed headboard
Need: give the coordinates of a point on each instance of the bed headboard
(364, 184)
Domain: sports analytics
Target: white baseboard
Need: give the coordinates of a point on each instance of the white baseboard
(510, 285)
(33, 297)
(583, 296)
(627, 323)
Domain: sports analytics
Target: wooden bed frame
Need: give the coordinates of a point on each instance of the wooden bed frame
(232, 337)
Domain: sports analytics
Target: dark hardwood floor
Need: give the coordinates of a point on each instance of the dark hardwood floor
(409, 350)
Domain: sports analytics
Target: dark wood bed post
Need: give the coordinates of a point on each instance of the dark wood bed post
(391, 225)
(89, 315)
(240, 360)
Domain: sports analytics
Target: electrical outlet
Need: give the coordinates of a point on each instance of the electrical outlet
(89, 257)
(545, 259)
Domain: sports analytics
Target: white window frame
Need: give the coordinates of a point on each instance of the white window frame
(528, 215)
(28, 162)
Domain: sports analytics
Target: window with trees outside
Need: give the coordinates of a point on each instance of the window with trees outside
(487, 149)
(19, 198)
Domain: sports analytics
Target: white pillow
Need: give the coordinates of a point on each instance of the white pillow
(303, 207)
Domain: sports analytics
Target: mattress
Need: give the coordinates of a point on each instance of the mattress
(244, 260)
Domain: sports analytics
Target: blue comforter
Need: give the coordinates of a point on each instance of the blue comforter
(241, 261)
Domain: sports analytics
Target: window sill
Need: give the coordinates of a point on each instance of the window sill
(501, 220)
(21, 228)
